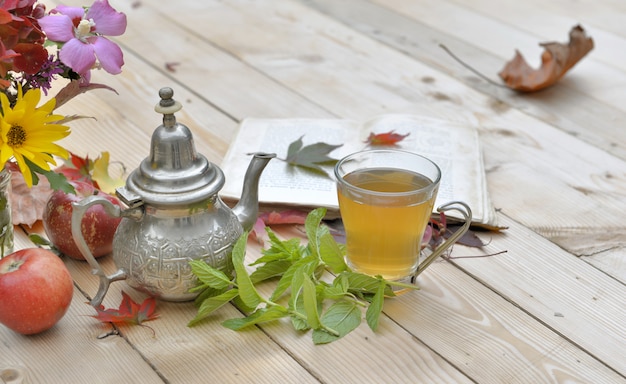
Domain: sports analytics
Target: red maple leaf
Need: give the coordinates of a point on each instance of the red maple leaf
(129, 311)
(77, 168)
(387, 138)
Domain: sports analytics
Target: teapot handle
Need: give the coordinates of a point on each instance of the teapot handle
(79, 209)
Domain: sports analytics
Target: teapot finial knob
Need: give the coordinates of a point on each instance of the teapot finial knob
(167, 105)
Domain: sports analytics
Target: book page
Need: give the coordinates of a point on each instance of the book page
(453, 146)
(281, 183)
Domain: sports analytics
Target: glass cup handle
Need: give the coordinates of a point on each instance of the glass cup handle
(79, 209)
(465, 210)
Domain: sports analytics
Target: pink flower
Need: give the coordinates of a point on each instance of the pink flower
(82, 33)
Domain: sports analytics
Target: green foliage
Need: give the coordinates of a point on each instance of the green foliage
(57, 181)
(310, 157)
(39, 240)
(302, 291)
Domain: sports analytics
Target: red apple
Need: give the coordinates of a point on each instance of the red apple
(35, 290)
(97, 226)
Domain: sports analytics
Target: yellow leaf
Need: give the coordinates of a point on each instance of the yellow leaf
(106, 182)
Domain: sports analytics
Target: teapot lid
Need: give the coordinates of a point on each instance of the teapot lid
(174, 174)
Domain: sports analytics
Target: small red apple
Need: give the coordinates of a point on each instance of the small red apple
(97, 226)
(35, 290)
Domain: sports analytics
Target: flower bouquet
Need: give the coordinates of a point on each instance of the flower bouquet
(38, 47)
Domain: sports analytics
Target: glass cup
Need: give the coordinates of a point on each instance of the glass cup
(386, 199)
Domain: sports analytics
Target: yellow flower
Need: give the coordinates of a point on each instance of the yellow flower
(29, 133)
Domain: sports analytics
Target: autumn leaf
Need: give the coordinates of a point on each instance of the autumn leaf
(129, 311)
(77, 168)
(96, 172)
(27, 204)
(311, 156)
(75, 88)
(556, 60)
(387, 138)
(289, 216)
(101, 174)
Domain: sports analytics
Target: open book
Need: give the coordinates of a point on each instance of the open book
(453, 146)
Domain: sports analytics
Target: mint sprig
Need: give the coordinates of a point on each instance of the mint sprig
(302, 289)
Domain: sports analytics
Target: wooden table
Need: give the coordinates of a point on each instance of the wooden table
(550, 309)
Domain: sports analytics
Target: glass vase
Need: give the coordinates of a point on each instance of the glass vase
(6, 222)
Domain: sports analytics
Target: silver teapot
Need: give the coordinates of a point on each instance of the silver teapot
(173, 215)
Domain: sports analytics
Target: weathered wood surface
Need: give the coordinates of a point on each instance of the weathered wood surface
(550, 309)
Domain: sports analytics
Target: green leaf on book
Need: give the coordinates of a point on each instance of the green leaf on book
(312, 156)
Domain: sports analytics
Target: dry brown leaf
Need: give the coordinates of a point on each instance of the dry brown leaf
(556, 60)
(28, 204)
(73, 89)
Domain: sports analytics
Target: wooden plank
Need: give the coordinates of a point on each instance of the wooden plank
(178, 354)
(213, 75)
(72, 351)
(452, 305)
(207, 351)
(330, 82)
(548, 22)
(528, 343)
(461, 320)
(123, 124)
(420, 37)
(593, 77)
(575, 299)
(606, 15)
(256, 356)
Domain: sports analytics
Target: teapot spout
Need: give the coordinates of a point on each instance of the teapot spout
(247, 209)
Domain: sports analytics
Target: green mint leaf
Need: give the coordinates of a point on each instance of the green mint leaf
(312, 226)
(211, 304)
(270, 270)
(339, 288)
(261, 315)
(205, 293)
(287, 279)
(331, 253)
(361, 283)
(247, 291)
(200, 288)
(208, 275)
(297, 308)
(372, 314)
(242, 306)
(310, 302)
(322, 243)
(305, 268)
(280, 250)
(342, 317)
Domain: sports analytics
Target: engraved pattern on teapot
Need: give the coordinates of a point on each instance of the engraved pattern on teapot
(157, 261)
